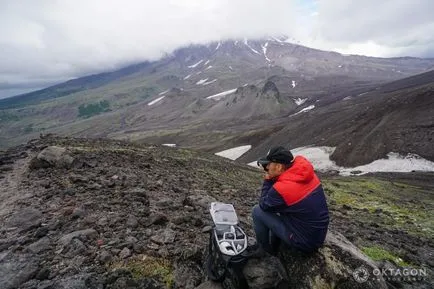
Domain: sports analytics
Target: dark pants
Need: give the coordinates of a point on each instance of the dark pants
(269, 229)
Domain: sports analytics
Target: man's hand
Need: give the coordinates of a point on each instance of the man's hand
(267, 176)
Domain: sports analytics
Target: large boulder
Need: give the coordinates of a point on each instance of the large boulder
(52, 156)
(16, 269)
(338, 264)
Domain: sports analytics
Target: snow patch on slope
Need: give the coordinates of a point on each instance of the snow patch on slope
(156, 100)
(264, 49)
(202, 81)
(196, 64)
(299, 101)
(220, 95)
(306, 109)
(164, 92)
(395, 162)
(209, 82)
(251, 48)
(235, 152)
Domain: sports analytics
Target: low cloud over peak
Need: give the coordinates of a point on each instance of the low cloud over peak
(49, 41)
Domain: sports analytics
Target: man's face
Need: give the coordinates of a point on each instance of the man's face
(275, 169)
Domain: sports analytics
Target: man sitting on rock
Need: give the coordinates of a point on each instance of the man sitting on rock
(292, 206)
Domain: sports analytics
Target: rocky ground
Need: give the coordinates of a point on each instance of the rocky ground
(116, 215)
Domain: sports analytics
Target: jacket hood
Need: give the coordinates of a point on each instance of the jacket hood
(301, 171)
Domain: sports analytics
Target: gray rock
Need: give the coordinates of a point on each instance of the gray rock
(201, 200)
(66, 239)
(164, 203)
(16, 269)
(166, 236)
(75, 247)
(158, 219)
(25, 219)
(206, 229)
(94, 186)
(338, 264)
(78, 178)
(39, 246)
(78, 213)
(132, 221)
(266, 272)
(54, 156)
(179, 220)
(169, 236)
(41, 232)
(148, 233)
(105, 257)
(6, 243)
(80, 281)
(125, 253)
(210, 285)
(184, 276)
(131, 240)
(43, 274)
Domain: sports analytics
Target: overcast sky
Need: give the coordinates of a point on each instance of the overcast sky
(48, 41)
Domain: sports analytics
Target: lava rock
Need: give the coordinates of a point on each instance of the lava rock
(338, 262)
(125, 253)
(25, 219)
(132, 221)
(16, 269)
(66, 239)
(52, 156)
(39, 246)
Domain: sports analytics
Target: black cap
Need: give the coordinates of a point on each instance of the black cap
(277, 154)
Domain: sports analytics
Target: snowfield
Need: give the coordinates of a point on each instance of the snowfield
(320, 159)
(235, 152)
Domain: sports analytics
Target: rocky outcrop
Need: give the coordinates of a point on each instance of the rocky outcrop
(52, 156)
(270, 90)
(338, 264)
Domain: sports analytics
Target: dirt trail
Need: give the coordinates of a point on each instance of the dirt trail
(10, 189)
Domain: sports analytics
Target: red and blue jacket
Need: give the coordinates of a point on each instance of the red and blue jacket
(298, 197)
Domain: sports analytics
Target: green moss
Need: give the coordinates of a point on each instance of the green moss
(392, 205)
(376, 253)
(7, 117)
(147, 267)
(93, 109)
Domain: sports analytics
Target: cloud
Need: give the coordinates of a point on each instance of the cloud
(377, 28)
(49, 41)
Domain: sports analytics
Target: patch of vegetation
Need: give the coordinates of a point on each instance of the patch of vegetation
(147, 267)
(28, 128)
(7, 116)
(377, 254)
(93, 109)
(146, 92)
(397, 205)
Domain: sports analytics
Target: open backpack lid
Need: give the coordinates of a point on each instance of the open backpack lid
(223, 214)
